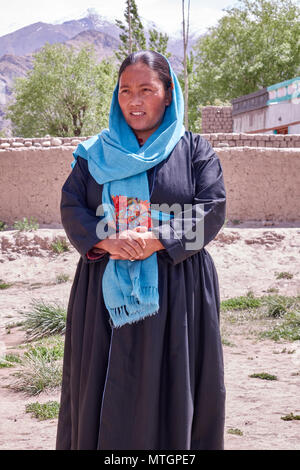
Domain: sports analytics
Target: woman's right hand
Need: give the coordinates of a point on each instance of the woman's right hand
(126, 244)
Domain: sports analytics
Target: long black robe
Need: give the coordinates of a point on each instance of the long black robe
(157, 384)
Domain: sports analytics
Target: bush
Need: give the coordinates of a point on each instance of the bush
(37, 373)
(60, 245)
(45, 320)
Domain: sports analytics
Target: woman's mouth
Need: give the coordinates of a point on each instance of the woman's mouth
(137, 113)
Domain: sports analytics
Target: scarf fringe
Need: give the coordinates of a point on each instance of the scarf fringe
(119, 316)
(136, 308)
(143, 295)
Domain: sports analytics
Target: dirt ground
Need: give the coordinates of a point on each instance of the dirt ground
(247, 257)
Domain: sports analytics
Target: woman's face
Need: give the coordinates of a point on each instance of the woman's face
(142, 99)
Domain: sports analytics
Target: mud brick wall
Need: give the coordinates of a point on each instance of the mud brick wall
(261, 176)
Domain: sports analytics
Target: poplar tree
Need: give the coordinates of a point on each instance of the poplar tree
(185, 36)
(158, 42)
(133, 37)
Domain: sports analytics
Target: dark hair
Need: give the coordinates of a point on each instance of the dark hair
(154, 60)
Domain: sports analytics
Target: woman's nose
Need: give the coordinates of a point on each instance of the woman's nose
(136, 99)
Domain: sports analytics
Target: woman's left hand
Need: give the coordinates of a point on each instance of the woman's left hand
(152, 244)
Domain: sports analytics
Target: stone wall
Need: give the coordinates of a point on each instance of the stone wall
(17, 142)
(217, 139)
(262, 182)
(217, 119)
(253, 140)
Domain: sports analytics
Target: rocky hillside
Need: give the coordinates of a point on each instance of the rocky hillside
(34, 36)
(104, 43)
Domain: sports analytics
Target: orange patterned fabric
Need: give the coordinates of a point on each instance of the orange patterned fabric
(131, 212)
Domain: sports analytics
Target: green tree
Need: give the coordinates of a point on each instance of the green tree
(194, 108)
(253, 46)
(65, 94)
(185, 37)
(133, 37)
(194, 105)
(158, 42)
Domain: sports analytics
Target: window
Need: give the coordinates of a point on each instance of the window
(281, 130)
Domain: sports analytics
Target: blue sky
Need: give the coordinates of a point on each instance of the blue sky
(165, 13)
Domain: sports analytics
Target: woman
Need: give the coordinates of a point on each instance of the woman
(143, 371)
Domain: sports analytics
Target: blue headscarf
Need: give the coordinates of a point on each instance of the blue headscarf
(116, 160)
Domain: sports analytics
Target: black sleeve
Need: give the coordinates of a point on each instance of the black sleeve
(78, 220)
(192, 229)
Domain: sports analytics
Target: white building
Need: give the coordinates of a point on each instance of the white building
(271, 110)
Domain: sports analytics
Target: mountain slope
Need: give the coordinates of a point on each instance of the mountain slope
(34, 36)
(104, 43)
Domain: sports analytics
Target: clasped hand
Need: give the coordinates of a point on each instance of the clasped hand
(133, 244)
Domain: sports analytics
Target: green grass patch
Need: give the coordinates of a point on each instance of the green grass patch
(26, 224)
(49, 351)
(283, 275)
(285, 351)
(40, 366)
(279, 305)
(9, 360)
(45, 319)
(3, 225)
(263, 376)
(272, 290)
(11, 325)
(60, 244)
(287, 329)
(235, 431)
(290, 417)
(241, 303)
(42, 411)
(4, 285)
(226, 342)
(276, 317)
(14, 324)
(52, 341)
(60, 278)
